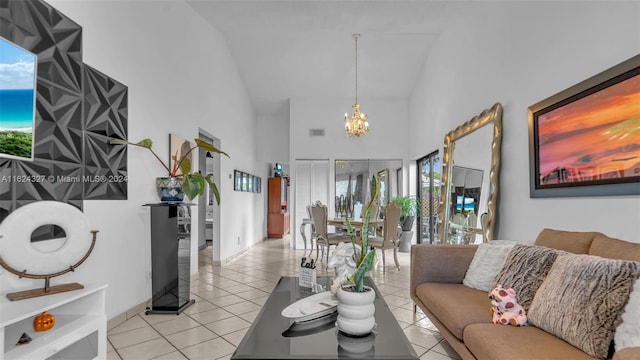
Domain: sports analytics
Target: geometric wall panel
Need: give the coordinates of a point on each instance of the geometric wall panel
(105, 105)
(64, 182)
(78, 109)
(108, 166)
(105, 116)
(5, 188)
(58, 132)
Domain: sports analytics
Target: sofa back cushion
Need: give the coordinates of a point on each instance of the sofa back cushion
(524, 270)
(581, 300)
(571, 241)
(612, 248)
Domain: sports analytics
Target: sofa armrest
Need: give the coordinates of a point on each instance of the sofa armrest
(630, 353)
(441, 263)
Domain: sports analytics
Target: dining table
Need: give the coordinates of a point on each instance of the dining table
(356, 224)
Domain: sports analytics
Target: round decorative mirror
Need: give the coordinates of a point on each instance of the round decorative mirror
(46, 257)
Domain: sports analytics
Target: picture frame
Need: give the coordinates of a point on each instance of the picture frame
(237, 180)
(245, 179)
(177, 147)
(250, 183)
(246, 182)
(581, 140)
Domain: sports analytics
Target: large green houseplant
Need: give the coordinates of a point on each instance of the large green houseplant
(409, 206)
(193, 183)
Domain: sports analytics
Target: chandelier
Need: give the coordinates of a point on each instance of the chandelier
(356, 125)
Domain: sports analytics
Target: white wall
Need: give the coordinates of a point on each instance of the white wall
(518, 54)
(181, 77)
(387, 137)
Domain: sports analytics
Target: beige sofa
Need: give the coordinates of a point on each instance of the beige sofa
(462, 313)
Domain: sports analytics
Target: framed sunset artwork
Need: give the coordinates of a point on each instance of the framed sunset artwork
(585, 140)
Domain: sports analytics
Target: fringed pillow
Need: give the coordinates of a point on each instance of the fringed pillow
(581, 300)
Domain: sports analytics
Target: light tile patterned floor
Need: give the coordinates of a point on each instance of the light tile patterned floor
(229, 297)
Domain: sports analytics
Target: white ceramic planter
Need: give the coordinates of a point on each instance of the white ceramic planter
(356, 311)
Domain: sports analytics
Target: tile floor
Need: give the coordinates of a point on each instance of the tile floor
(229, 297)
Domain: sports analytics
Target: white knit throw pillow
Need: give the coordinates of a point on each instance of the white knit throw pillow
(628, 332)
(486, 263)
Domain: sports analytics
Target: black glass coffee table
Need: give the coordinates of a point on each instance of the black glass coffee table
(272, 336)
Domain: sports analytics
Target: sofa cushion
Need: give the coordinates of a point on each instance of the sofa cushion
(572, 241)
(524, 270)
(581, 300)
(627, 354)
(485, 265)
(455, 305)
(612, 248)
(496, 342)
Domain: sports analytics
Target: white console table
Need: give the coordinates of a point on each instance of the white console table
(80, 330)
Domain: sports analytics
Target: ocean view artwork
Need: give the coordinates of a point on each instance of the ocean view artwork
(17, 101)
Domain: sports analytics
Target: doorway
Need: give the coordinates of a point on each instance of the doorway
(311, 184)
(428, 183)
(208, 209)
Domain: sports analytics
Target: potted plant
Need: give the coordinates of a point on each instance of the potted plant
(174, 187)
(408, 210)
(356, 309)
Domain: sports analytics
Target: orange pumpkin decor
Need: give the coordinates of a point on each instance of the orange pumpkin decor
(43, 322)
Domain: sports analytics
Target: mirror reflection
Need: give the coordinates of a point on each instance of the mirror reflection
(48, 238)
(352, 184)
(466, 191)
(470, 174)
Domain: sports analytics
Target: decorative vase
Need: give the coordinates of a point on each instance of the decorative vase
(407, 224)
(356, 311)
(170, 189)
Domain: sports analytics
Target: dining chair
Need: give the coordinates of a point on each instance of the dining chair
(319, 215)
(390, 233)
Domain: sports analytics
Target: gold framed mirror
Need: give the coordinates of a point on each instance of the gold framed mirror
(469, 207)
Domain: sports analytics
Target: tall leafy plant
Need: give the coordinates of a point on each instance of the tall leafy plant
(364, 256)
(193, 183)
(409, 206)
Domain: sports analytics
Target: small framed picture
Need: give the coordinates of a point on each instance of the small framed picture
(245, 180)
(237, 180)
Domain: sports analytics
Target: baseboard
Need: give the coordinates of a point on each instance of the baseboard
(120, 318)
(234, 256)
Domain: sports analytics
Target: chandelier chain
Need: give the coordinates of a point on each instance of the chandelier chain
(356, 42)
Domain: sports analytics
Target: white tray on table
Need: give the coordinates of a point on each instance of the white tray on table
(312, 307)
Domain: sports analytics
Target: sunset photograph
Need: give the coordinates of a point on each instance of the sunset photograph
(594, 138)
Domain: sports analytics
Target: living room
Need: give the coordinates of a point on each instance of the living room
(182, 78)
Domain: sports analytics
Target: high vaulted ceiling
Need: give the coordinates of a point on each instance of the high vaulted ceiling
(305, 48)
